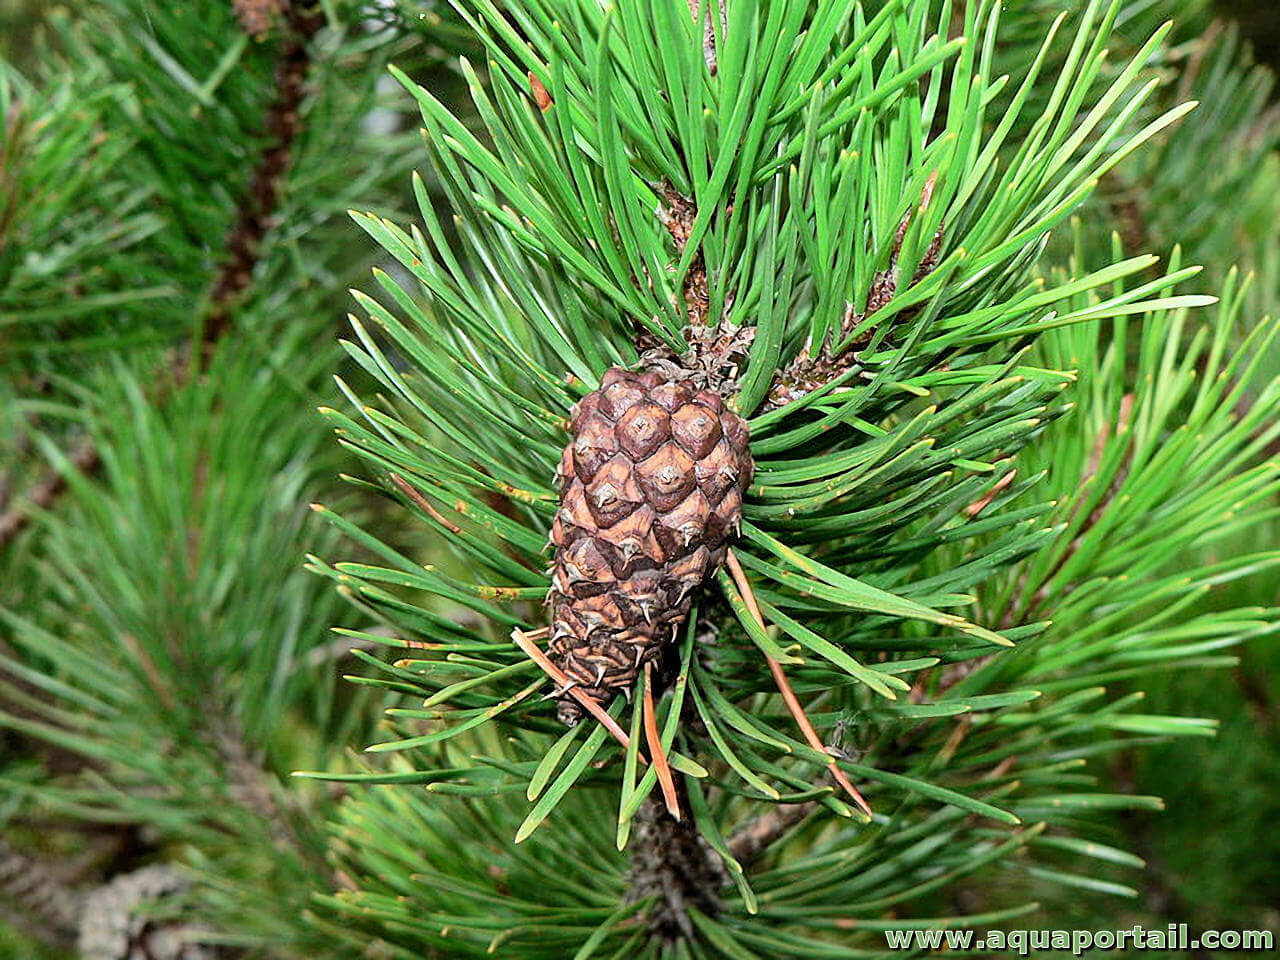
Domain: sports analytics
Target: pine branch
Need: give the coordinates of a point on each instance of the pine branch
(42, 904)
(813, 368)
(282, 124)
(816, 223)
(757, 837)
(248, 783)
(678, 213)
(674, 864)
(45, 493)
(715, 349)
(1028, 609)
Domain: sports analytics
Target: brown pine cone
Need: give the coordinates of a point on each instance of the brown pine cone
(651, 487)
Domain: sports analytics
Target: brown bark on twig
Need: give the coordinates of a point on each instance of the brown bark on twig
(37, 901)
(673, 863)
(703, 11)
(715, 349)
(818, 364)
(249, 784)
(258, 207)
(678, 214)
(753, 839)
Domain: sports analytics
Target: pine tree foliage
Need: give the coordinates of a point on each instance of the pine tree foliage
(196, 629)
(58, 176)
(1230, 154)
(164, 659)
(1010, 465)
(1000, 450)
(59, 182)
(1207, 184)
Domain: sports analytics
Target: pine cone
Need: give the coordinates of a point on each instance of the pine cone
(116, 926)
(651, 487)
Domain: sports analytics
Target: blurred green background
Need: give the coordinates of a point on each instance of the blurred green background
(1260, 20)
(1214, 856)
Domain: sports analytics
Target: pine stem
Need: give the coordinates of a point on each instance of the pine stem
(45, 493)
(282, 125)
(673, 864)
(250, 785)
(40, 903)
(753, 840)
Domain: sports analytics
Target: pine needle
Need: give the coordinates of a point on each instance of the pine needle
(525, 642)
(784, 686)
(660, 765)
